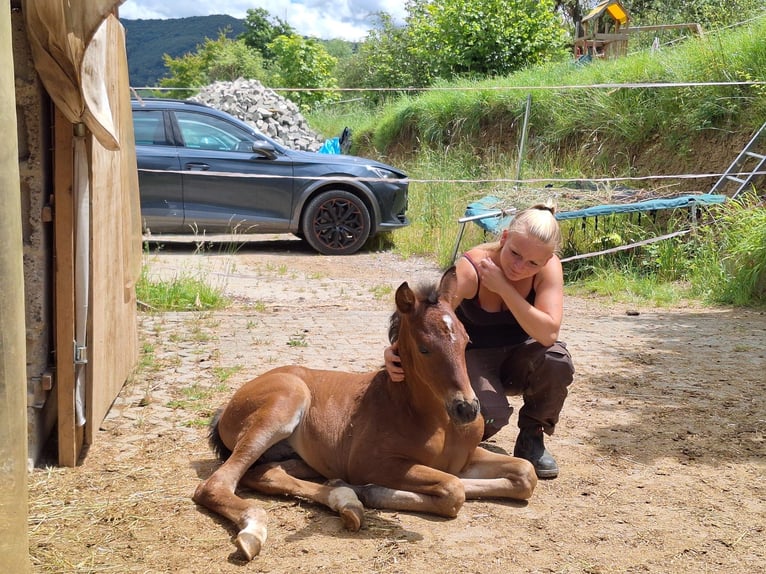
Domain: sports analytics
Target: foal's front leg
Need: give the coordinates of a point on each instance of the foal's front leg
(419, 488)
(290, 477)
(494, 475)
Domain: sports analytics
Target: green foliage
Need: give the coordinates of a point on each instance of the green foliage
(214, 61)
(606, 127)
(711, 14)
(384, 60)
(303, 63)
(451, 38)
(623, 284)
(483, 37)
(722, 262)
(182, 293)
(730, 263)
(262, 28)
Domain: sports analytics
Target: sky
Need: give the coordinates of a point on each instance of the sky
(325, 19)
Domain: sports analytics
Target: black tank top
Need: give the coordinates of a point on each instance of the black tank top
(490, 329)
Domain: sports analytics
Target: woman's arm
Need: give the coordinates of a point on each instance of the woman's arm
(541, 321)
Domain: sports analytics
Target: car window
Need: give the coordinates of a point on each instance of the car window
(149, 127)
(200, 131)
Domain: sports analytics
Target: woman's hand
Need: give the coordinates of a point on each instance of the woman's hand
(491, 275)
(393, 363)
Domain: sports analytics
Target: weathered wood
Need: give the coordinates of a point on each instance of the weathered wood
(69, 443)
(115, 251)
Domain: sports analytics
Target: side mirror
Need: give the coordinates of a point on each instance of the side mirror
(265, 149)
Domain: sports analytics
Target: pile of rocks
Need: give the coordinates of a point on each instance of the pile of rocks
(273, 115)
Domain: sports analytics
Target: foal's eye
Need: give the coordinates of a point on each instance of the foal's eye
(423, 350)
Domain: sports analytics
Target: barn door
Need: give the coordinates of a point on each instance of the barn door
(95, 352)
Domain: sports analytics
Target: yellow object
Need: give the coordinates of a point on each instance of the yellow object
(616, 11)
(613, 7)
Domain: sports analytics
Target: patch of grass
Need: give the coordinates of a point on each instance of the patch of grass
(196, 397)
(181, 293)
(297, 340)
(223, 374)
(382, 291)
(629, 287)
(146, 357)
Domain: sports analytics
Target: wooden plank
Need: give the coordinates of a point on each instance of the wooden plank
(115, 249)
(64, 314)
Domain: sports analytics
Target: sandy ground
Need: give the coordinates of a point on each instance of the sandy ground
(661, 442)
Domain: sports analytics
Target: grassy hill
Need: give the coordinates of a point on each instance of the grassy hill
(148, 40)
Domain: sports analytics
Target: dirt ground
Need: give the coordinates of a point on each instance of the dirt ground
(661, 441)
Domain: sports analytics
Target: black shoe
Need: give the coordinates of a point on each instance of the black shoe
(530, 446)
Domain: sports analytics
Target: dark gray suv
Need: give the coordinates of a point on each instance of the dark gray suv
(203, 171)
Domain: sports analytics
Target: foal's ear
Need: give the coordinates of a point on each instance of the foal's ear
(448, 285)
(405, 298)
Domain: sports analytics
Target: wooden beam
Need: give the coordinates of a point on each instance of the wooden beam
(656, 28)
(69, 436)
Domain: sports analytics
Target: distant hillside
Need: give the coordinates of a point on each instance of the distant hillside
(147, 41)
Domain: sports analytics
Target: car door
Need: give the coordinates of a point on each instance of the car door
(159, 173)
(227, 187)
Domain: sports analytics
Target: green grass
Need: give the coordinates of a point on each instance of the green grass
(181, 293)
(196, 397)
(629, 287)
(297, 340)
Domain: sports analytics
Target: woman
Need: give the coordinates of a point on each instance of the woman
(510, 298)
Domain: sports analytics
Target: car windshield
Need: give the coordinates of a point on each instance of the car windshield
(210, 133)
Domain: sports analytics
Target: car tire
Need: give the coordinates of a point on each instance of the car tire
(336, 223)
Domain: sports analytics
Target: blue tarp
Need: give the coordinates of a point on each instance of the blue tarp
(331, 146)
(496, 220)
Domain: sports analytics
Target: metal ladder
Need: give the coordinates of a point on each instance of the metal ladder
(746, 167)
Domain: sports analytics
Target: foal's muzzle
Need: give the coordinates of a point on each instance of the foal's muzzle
(463, 412)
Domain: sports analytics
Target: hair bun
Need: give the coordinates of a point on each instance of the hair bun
(548, 206)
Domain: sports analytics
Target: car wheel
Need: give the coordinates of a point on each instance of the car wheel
(336, 223)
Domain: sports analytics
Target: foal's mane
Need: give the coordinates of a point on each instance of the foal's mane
(426, 293)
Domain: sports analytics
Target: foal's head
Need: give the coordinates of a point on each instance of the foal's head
(432, 341)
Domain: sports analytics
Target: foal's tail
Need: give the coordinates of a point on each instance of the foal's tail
(214, 438)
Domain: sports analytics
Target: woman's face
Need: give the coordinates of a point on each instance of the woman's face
(522, 256)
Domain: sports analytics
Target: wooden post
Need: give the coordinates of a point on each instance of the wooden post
(69, 435)
(14, 539)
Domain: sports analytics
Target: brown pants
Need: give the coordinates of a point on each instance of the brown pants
(540, 374)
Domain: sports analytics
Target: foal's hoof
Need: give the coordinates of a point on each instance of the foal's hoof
(344, 500)
(249, 544)
(352, 517)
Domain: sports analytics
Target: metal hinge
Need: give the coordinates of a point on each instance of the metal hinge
(80, 354)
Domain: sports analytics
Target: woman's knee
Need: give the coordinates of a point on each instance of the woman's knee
(557, 365)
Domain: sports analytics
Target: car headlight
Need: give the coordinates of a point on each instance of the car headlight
(383, 173)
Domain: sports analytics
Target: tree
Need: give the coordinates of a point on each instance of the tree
(384, 60)
(223, 59)
(573, 11)
(709, 13)
(262, 28)
(303, 63)
(483, 37)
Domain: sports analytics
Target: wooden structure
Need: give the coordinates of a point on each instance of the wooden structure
(82, 234)
(603, 32)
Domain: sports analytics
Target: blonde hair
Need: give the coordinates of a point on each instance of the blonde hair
(538, 222)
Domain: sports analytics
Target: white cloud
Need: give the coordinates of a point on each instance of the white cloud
(346, 19)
